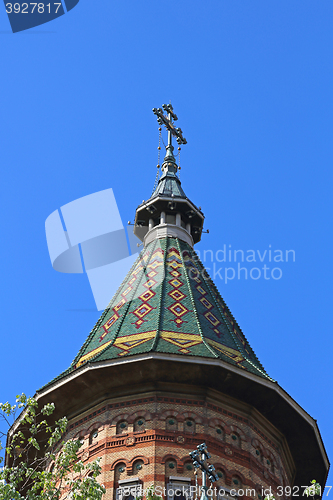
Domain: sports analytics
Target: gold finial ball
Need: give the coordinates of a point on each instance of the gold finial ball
(160, 128)
(159, 147)
(179, 168)
(158, 166)
(179, 148)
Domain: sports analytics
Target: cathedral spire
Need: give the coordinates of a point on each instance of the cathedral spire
(168, 121)
(168, 290)
(169, 212)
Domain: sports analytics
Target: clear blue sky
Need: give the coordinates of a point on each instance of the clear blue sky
(251, 82)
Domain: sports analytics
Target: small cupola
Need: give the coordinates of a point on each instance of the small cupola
(169, 212)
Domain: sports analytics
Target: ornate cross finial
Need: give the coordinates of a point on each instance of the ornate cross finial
(168, 123)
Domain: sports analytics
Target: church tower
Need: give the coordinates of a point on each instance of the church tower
(167, 367)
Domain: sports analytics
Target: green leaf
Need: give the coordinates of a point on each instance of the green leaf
(34, 443)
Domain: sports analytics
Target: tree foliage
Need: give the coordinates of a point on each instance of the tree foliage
(42, 466)
(314, 490)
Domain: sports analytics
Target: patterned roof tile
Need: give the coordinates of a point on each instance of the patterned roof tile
(167, 303)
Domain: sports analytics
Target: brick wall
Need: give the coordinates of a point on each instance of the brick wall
(150, 438)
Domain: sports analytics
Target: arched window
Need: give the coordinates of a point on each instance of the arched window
(122, 427)
(270, 464)
(93, 438)
(220, 475)
(188, 467)
(189, 425)
(170, 467)
(236, 483)
(258, 454)
(219, 434)
(171, 424)
(139, 424)
(235, 439)
(137, 466)
(120, 471)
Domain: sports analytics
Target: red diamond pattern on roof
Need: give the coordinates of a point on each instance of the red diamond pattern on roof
(108, 325)
(151, 274)
(174, 264)
(176, 282)
(178, 309)
(140, 312)
(177, 294)
(163, 288)
(155, 264)
(147, 295)
(150, 283)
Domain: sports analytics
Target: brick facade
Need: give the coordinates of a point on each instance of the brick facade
(149, 437)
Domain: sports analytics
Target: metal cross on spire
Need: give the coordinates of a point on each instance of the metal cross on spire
(199, 457)
(166, 120)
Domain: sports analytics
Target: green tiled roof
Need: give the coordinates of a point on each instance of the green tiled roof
(169, 184)
(168, 304)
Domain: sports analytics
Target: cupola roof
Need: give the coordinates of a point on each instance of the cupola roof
(167, 303)
(169, 183)
(169, 198)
